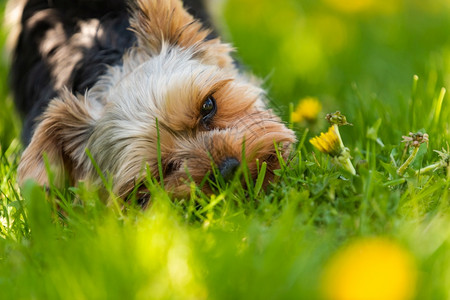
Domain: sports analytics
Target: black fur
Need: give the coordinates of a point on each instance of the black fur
(47, 59)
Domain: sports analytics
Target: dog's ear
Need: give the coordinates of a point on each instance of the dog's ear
(160, 23)
(61, 136)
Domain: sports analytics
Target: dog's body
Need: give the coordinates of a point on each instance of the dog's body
(122, 79)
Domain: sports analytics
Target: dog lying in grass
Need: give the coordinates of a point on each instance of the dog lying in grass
(139, 84)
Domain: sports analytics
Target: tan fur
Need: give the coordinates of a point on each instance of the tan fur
(165, 79)
(160, 22)
(61, 136)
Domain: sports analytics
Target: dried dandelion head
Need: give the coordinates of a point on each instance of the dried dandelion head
(337, 119)
(415, 139)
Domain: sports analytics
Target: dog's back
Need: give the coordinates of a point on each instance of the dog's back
(68, 43)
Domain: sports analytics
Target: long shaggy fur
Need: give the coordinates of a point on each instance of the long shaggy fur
(102, 78)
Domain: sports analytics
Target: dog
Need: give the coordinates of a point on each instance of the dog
(139, 85)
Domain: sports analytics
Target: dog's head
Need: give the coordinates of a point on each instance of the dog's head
(177, 98)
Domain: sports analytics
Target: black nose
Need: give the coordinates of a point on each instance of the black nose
(228, 168)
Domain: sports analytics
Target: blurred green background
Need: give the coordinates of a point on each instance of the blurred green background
(321, 47)
(356, 56)
(9, 120)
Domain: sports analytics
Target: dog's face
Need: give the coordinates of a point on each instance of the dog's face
(175, 94)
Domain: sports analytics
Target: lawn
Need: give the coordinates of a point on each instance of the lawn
(318, 232)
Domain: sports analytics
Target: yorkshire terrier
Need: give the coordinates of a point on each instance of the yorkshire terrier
(137, 84)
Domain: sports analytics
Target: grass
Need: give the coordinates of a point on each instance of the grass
(275, 244)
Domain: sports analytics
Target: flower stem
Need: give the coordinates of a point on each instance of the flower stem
(336, 129)
(348, 166)
(344, 157)
(429, 168)
(408, 161)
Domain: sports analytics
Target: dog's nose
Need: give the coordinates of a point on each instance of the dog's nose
(228, 168)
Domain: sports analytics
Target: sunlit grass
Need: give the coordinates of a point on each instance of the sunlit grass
(312, 233)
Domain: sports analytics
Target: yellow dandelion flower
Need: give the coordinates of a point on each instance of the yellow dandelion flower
(307, 109)
(370, 269)
(329, 143)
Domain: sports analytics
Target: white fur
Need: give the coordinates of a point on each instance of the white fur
(140, 91)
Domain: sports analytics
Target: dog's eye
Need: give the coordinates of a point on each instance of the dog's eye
(209, 106)
(208, 111)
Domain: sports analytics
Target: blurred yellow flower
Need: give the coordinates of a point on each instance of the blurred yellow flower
(366, 6)
(333, 32)
(370, 269)
(307, 109)
(351, 6)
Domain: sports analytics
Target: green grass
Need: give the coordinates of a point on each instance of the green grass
(274, 244)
